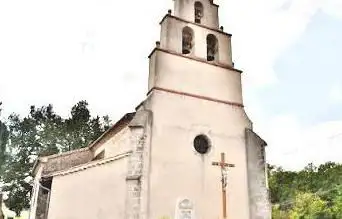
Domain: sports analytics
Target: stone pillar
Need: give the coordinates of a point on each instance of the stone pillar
(1, 213)
(138, 167)
(43, 199)
(135, 166)
(259, 202)
(41, 204)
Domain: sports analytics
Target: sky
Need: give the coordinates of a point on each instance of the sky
(63, 51)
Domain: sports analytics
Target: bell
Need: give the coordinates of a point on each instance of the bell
(186, 48)
(210, 58)
(187, 39)
(210, 54)
(198, 16)
(211, 47)
(186, 51)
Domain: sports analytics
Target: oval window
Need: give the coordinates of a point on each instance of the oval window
(201, 144)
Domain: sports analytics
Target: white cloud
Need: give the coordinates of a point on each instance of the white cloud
(262, 31)
(293, 146)
(335, 94)
(333, 8)
(324, 142)
(61, 52)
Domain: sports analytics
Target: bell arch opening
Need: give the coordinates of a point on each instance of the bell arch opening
(198, 12)
(187, 40)
(212, 47)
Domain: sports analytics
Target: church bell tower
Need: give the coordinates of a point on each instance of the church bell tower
(192, 49)
(195, 99)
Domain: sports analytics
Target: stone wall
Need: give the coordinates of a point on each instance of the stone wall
(136, 191)
(67, 160)
(135, 166)
(117, 144)
(1, 214)
(257, 180)
(42, 204)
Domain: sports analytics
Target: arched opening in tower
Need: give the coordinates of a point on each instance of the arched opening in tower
(198, 12)
(187, 40)
(212, 47)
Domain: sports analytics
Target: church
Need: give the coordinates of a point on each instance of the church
(188, 151)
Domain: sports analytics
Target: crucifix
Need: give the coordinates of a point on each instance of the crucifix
(223, 166)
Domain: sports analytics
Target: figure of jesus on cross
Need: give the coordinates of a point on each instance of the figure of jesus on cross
(224, 167)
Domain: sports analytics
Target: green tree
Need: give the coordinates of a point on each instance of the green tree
(29, 139)
(337, 202)
(3, 143)
(309, 206)
(43, 133)
(80, 129)
(282, 185)
(278, 213)
(291, 192)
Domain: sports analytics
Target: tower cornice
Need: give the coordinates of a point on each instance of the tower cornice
(212, 2)
(195, 96)
(193, 23)
(195, 59)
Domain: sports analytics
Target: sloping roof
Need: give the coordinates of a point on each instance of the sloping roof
(117, 127)
(65, 153)
(89, 165)
(261, 141)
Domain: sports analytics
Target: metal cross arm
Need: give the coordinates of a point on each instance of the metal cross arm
(223, 164)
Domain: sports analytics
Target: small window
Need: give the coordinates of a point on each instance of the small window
(198, 12)
(212, 47)
(201, 144)
(187, 40)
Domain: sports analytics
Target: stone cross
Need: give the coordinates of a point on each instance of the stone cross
(223, 166)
